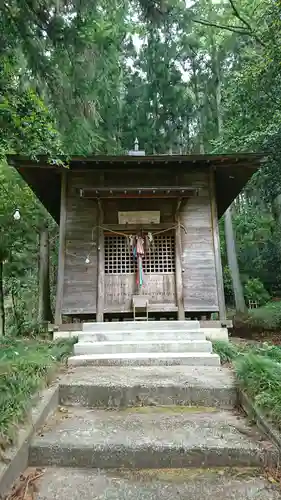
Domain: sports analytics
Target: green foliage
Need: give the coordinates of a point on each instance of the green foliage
(255, 290)
(258, 372)
(228, 291)
(267, 317)
(230, 351)
(158, 104)
(226, 350)
(271, 351)
(260, 377)
(26, 124)
(26, 366)
(88, 77)
(19, 250)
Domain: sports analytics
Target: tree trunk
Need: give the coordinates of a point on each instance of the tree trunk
(15, 309)
(233, 264)
(276, 209)
(44, 301)
(199, 108)
(229, 233)
(2, 308)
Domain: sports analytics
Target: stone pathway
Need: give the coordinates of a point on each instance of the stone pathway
(151, 433)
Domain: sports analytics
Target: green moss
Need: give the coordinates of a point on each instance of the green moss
(169, 409)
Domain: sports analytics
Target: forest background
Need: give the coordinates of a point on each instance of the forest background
(89, 76)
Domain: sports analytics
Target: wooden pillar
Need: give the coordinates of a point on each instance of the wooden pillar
(216, 243)
(61, 259)
(44, 302)
(100, 271)
(179, 283)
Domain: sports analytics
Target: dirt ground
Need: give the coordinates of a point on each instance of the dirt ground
(252, 336)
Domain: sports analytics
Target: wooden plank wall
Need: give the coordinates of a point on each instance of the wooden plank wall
(198, 259)
(119, 290)
(80, 279)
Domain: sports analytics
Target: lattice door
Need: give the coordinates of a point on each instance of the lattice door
(160, 257)
(121, 267)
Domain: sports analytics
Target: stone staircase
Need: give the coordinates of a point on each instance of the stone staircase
(143, 343)
(148, 431)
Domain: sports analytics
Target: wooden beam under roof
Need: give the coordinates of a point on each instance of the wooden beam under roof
(139, 192)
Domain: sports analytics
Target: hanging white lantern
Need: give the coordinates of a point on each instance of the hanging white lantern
(87, 261)
(17, 215)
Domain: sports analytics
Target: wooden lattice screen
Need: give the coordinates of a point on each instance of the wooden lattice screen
(159, 258)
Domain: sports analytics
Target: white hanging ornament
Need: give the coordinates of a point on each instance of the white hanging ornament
(17, 214)
(87, 261)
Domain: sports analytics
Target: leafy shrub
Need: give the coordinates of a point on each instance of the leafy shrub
(270, 351)
(255, 290)
(226, 350)
(267, 317)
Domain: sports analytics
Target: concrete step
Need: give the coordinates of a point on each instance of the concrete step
(203, 333)
(122, 387)
(145, 359)
(144, 335)
(180, 484)
(139, 346)
(140, 325)
(149, 438)
(216, 333)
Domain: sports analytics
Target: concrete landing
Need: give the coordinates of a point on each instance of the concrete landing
(146, 359)
(116, 387)
(75, 484)
(146, 437)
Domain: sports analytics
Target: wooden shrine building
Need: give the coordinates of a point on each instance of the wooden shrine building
(138, 231)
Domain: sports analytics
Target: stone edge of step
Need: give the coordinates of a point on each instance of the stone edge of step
(149, 455)
(147, 342)
(138, 325)
(145, 359)
(158, 346)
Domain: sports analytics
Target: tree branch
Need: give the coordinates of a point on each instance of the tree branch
(239, 30)
(223, 27)
(236, 13)
(245, 22)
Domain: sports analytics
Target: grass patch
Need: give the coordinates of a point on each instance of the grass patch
(267, 317)
(258, 372)
(26, 366)
(226, 350)
(272, 352)
(263, 319)
(260, 378)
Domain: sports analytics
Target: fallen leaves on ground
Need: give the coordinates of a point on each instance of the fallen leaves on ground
(26, 487)
(273, 476)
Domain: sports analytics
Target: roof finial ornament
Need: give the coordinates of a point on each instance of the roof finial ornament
(136, 151)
